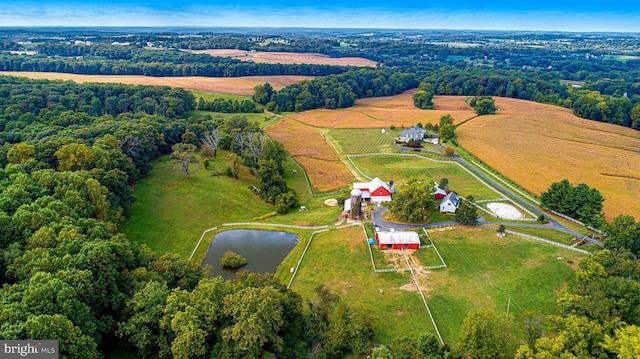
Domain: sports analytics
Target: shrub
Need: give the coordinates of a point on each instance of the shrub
(232, 259)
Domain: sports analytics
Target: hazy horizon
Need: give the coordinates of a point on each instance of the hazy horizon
(543, 15)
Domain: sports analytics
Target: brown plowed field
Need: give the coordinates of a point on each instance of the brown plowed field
(325, 170)
(233, 85)
(535, 145)
(287, 57)
(380, 112)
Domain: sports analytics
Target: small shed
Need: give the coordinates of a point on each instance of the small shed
(397, 240)
(439, 193)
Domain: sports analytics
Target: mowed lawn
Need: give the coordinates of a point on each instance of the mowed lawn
(484, 271)
(365, 140)
(340, 260)
(402, 168)
(171, 210)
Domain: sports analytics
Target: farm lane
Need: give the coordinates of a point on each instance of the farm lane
(383, 224)
(554, 224)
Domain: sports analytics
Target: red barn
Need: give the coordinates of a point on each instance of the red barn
(397, 240)
(439, 193)
(376, 191)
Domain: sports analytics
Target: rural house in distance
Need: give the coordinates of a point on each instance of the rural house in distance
(414, 133)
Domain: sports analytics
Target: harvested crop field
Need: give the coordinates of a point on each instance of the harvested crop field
(326, 175)
(287, 57)
(535, 145)
(325, 170)
(380, 112)
(233, 85)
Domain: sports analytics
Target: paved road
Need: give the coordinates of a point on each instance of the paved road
(553, 224)
(386, 225)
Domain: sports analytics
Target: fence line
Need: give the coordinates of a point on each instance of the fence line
(295, 271)
(272, 225)
(313, 193)
(388, 270)
(434, 247)
(201, 237)
(435, 267)
(547, 241)
(574, 220)
(424, 300)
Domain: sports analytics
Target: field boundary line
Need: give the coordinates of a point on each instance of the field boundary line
(434, 247)
(295, 271)
(200, 241)
(306, 177)
(424, 300)
(539, 239)
(337, 154)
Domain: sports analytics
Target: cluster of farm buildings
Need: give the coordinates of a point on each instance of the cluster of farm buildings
(376, 192)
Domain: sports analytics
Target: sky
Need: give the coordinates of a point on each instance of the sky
(548, 15)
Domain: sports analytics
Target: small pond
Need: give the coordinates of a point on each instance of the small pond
(264, 250)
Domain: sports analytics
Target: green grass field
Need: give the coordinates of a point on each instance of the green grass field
(340, 260)
(172, 210)
(400, 169)
(527, 271)
(358, 141)
(258, 118)
(210, 96)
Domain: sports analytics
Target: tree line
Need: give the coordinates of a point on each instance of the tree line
(534, 86)
(334, 91)
(161, 66)
(223, 105)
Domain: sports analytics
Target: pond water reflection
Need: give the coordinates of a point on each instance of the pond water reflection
(264, 250)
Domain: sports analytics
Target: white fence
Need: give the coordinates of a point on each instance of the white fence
(549, 242)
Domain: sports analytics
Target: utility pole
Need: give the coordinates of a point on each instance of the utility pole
(508, 307)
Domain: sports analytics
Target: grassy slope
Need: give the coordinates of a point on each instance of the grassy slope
(339, 259)
(529, 272)
(210, 96)
(356, 141)
(172, 210)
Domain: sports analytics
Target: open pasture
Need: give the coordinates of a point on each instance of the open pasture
(528, 272)
(325, 170)
(265, 57)
(340, 260)
(401, 168)
(535, 145)
(172, 210)
(384, 112)
(233, 85)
